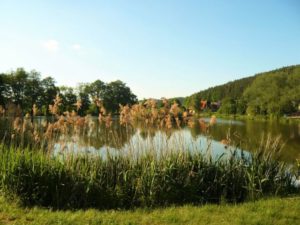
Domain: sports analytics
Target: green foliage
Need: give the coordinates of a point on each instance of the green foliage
(3, 89)
(24, 89)
(49, 93)
(144, 180)
(273, 93)
(193, 102)
(96, 89)
(228, 106)
(116, 93)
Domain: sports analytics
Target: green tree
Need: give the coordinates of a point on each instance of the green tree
(69, 98)
(84, 96)
(96, 89)
(49, 93)
(116, 93)
(18, 84)
(4, 89)
(228, 106)
(33, 91)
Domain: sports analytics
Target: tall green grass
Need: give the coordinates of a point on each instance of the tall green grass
(141, 180)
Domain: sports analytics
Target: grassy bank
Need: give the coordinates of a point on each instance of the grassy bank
(270, 211)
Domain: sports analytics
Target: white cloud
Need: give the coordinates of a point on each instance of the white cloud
(76, 47)
(51, 45)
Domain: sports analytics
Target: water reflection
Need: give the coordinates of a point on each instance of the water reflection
(245, 135)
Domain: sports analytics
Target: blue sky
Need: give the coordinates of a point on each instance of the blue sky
(158, 47)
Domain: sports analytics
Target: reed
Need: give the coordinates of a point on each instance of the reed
(146, 175)
(146, 179)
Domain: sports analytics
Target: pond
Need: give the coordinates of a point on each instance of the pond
(242, 134)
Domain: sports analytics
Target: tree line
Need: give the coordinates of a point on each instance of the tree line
(274, 93)
(20, 90)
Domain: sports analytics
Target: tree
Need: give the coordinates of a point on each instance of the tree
(228, 106)
(4, 89)
(23, 89)
(116, 93)
(96, 89)
(274, 94)
(33, 91)
(241, 106)
(18, 82)
(49, 93)
(84, 96)
(69, 98)
(193, 102)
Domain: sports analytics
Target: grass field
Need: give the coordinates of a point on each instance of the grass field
(271, 211)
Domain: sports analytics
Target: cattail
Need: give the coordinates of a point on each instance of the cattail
(185, 115)
(100, 118)
(58, 100)
(125, 117)
(175, 109)
(191, 123)
(2, 110)
(165, 102)
(27, 125)
(152, 103)
(36, 136)
(154, 115)
(178, 122)
(162, 123)
(35, 110)
(61, 121)
(203, 125)
(17, 124)
(49, 131)
(73, 113)
(78, 104)
(108, 121)
(102, 110)
(27, 116)
(80, 122)
(168, 120)
(87, 119)
(66, 113)
(53, 109)
(213, 120)
(97, 102)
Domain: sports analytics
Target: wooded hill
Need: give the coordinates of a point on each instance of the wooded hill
(273, 93)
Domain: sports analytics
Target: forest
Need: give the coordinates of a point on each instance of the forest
(274, 93)
(20, 90)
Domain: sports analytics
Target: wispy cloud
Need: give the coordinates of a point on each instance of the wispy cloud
(76, 47)
(51, 45)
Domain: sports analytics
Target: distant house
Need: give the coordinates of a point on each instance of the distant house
(203, 104)
(214, 106)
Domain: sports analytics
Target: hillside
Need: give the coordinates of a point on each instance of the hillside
(276, 92)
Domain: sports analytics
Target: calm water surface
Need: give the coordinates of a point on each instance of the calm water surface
(246, 134)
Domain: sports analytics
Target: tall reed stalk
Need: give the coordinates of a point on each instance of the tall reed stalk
(147, 179)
